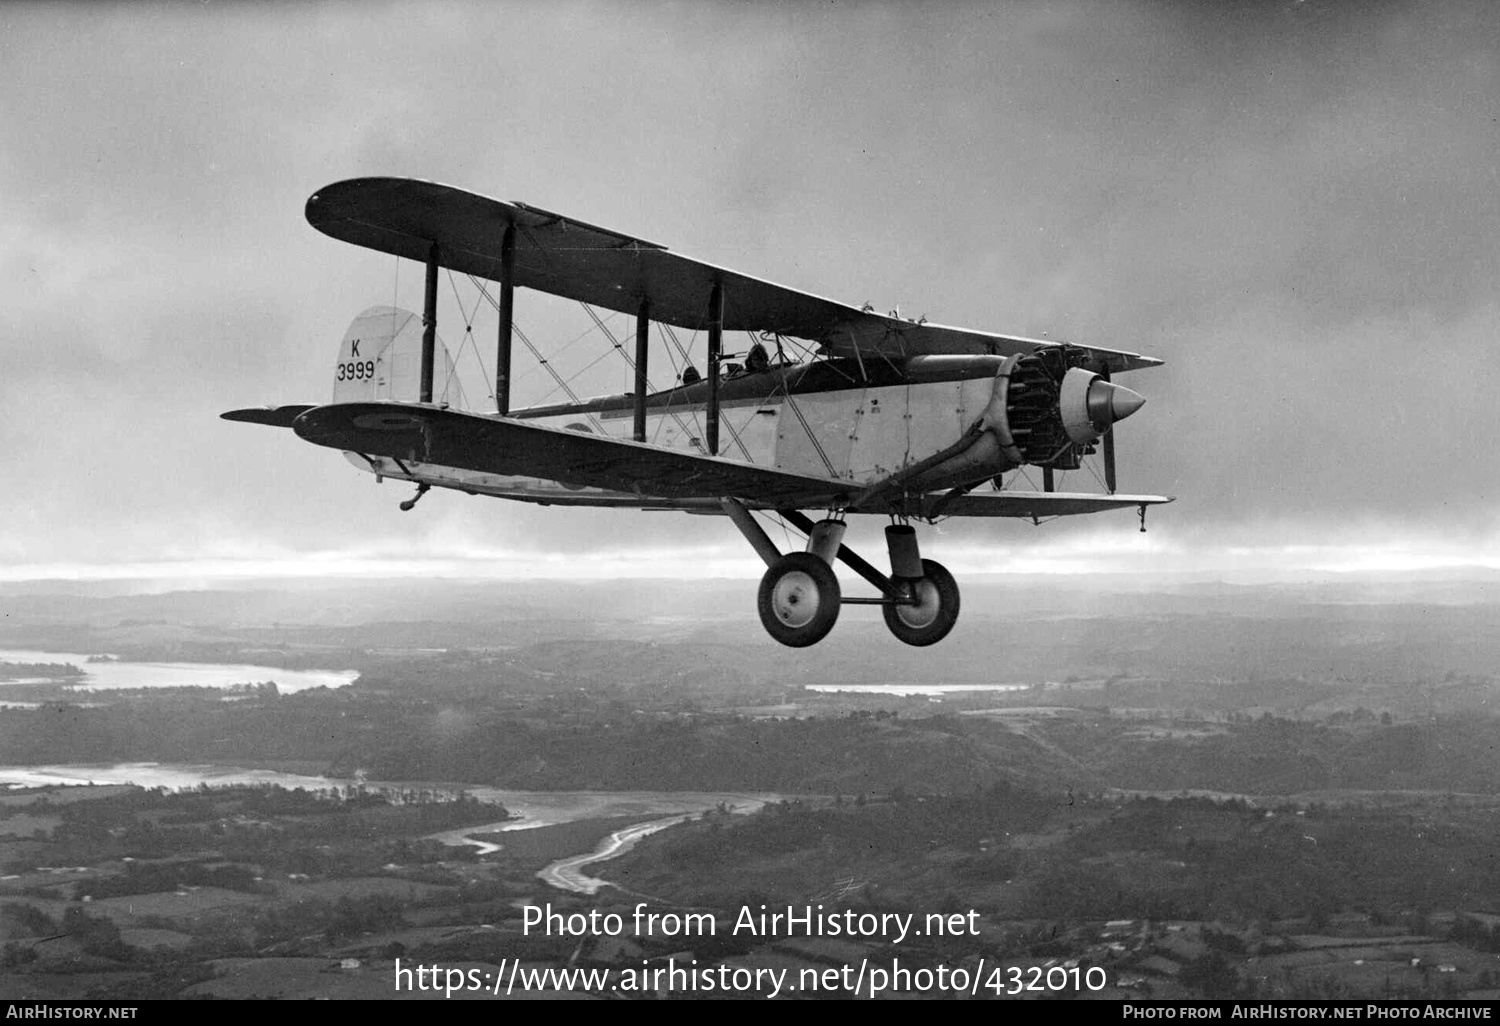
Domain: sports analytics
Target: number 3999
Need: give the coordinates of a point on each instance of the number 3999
(356, 371)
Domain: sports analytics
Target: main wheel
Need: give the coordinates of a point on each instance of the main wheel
(936, 609)
(799, 599)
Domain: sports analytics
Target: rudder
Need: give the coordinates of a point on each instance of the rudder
(380, 357)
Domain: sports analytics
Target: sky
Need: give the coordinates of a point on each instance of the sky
(1295, 204)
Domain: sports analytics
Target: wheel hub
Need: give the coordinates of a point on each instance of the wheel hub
(795, 599)
(924, 609)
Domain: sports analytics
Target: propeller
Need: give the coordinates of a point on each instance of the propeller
(1056, 409)
(1109, 442)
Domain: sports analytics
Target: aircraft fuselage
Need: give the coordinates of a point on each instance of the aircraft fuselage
(827, 418)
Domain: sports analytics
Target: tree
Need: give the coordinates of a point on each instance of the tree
(16, 953)
(1213, 975)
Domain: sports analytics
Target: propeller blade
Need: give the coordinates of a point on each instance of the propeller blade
(1109, 444)
(1109, 460)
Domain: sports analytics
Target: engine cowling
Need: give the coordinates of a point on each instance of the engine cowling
(1049, 410)
(1045, 408)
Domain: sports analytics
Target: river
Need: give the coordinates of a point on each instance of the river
(567, 874)
(529, 809)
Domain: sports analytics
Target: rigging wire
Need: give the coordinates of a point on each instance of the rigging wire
(582, 370)
(807, 428)
(559, 351)
(1092, 469)
(667, 328)
(735, 435)
(780, 521)
(687, 361)
(469, 340)
(536, 353)
(625, 355)
(662, 422)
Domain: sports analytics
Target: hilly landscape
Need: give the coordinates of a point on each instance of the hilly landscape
(1276, 787)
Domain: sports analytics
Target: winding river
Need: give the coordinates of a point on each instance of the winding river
(529, 809)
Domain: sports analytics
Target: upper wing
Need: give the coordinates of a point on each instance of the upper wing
(594, 265)
(495, 445)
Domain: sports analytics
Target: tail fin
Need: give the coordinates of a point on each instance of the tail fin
(381, 358)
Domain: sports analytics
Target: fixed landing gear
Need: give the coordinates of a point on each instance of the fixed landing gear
(800, 597)
(933, 611)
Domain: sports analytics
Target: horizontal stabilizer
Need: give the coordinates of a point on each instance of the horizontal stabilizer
(271, 416)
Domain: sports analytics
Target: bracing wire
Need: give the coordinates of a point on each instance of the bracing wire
(630, 362)
(537, 355)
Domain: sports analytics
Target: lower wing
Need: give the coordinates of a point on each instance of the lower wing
(1031, 505)
(504, 446)
(508, 447)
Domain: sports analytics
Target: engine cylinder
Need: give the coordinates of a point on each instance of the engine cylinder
(1049, 410)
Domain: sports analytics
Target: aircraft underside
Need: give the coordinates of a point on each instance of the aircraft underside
(799, 597)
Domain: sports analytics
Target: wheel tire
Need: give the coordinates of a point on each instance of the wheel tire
(933, 617)
(798, 600)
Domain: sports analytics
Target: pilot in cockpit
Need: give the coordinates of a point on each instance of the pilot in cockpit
(756, 360)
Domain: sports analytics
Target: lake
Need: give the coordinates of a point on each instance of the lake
(932, 690)
(104, 676)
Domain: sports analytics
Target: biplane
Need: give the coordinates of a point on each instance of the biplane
(876, 414)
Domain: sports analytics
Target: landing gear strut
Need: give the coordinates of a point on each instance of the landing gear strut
(927, 606)
(799, 595)
(933, 611)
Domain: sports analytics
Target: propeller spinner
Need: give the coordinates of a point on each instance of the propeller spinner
(1089, 404)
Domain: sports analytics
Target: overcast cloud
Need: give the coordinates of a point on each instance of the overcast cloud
(1296, 205)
